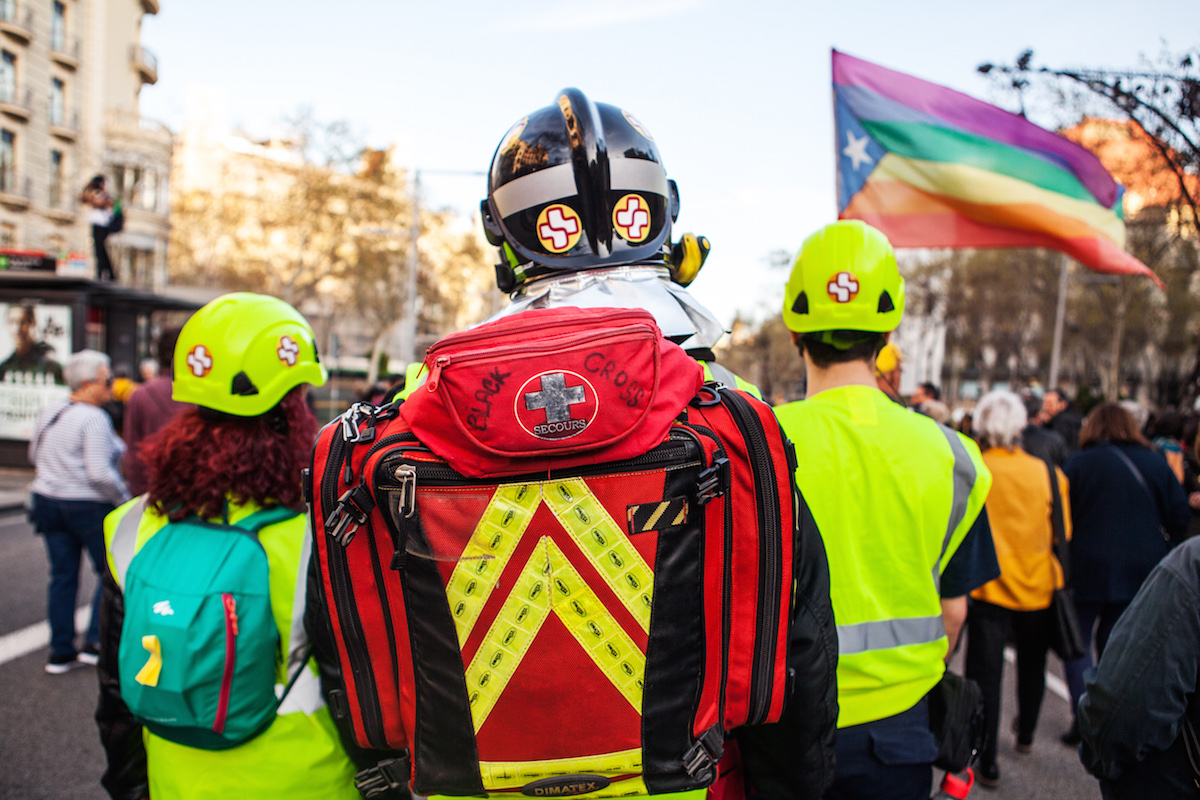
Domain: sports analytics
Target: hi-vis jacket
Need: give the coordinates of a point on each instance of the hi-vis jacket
(894, 494)
(299, 757)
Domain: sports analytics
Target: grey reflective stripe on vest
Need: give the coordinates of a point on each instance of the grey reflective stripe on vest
(889, 633)
(964, 481)
(722, 374)
(124, 541)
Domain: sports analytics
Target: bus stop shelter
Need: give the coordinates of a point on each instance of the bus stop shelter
(49, 316)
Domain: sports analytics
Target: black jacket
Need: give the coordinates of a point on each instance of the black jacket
(1045, 444)
(1121, 530)
(793, 759)
(1132, 716)
(1067, 424)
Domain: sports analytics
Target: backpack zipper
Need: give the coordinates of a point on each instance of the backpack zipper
(339, 582)
(770, 572)
(727, 566)
(678, 452)
(231, 632)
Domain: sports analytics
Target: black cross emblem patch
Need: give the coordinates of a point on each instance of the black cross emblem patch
(555, 397)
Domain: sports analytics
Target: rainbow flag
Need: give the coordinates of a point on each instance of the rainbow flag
(932, 167)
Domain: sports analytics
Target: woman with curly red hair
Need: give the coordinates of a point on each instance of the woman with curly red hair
(211, 686)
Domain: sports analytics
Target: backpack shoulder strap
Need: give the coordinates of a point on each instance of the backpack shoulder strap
(265, 517)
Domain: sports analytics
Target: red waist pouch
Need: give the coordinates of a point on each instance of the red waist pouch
(551, 388)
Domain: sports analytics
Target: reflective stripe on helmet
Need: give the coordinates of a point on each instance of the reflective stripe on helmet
(535, 189)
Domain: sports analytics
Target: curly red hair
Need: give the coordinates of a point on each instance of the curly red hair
(195, 463)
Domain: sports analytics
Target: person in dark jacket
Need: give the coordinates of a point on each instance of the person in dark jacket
(1063, 417)
(1042, 442)
(1142, 696)
(149, 409)
(1128, 510)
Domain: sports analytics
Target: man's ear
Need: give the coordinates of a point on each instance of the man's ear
(795, 337)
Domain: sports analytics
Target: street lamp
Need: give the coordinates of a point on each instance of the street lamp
(409, 329)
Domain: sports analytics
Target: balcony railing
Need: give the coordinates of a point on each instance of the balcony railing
(14, 191)
(16, 21)
(66, 52)
(64, 124)
(145, 63)
(16, 101)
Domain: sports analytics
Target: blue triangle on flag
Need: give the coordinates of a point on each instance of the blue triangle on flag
(852, 140)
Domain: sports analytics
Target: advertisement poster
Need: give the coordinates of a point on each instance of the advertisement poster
(35, 340)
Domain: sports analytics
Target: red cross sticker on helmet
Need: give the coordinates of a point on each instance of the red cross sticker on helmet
(631, 218)
(558, 228)
(288, 351)
(843, 287)
(199, 361)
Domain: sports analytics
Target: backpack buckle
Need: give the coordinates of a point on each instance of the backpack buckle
(389, 774)
(353, 508)
(709, 485)
(351, 421)
(700, 761)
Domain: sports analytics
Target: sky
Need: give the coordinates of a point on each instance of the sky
(737, 95)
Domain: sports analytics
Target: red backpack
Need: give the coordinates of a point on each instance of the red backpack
(562, 566)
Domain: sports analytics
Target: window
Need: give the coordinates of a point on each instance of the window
(8, 10)
(148, 196)
(8, 161)
(56, 178)
(58, 91)
(8, 77)
(58, 28)
(137, 187)
(8, 234)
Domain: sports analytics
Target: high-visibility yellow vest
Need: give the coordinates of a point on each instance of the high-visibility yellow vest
(893, 494)
(300, 756)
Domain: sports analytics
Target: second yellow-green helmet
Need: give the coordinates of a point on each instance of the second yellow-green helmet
(243, 352)
(845, 278)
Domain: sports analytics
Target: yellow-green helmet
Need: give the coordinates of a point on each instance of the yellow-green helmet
(844, 279)
(242, 353)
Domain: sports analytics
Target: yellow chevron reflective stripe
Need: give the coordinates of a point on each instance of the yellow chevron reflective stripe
(605, 544)
(548, 581)
(491, 546)
(601, 636)
(522, 615)
(499, 775)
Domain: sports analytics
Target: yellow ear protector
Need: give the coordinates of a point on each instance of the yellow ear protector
(687, 257)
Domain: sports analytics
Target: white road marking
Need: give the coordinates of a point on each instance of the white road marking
(35, 637)
(1054, 683)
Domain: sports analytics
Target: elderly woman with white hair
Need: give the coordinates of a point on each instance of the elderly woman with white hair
(1020, 509)
(75, 452)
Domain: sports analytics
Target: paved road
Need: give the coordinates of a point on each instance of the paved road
(49, 748)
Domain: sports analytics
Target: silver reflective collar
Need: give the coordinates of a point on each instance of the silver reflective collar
(677, 312)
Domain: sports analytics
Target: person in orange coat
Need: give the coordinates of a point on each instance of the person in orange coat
(1020, 508)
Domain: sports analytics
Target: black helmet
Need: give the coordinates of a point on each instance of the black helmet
(574, 186)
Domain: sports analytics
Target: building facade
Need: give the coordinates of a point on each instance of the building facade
(70, 75)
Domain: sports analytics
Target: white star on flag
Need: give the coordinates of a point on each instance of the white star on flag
(856, 150)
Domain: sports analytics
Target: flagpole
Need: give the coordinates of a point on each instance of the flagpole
(1060, 316)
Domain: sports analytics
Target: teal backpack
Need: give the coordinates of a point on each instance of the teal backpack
(199, 644)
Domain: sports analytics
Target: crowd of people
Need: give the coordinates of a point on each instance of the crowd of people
(927, 531)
